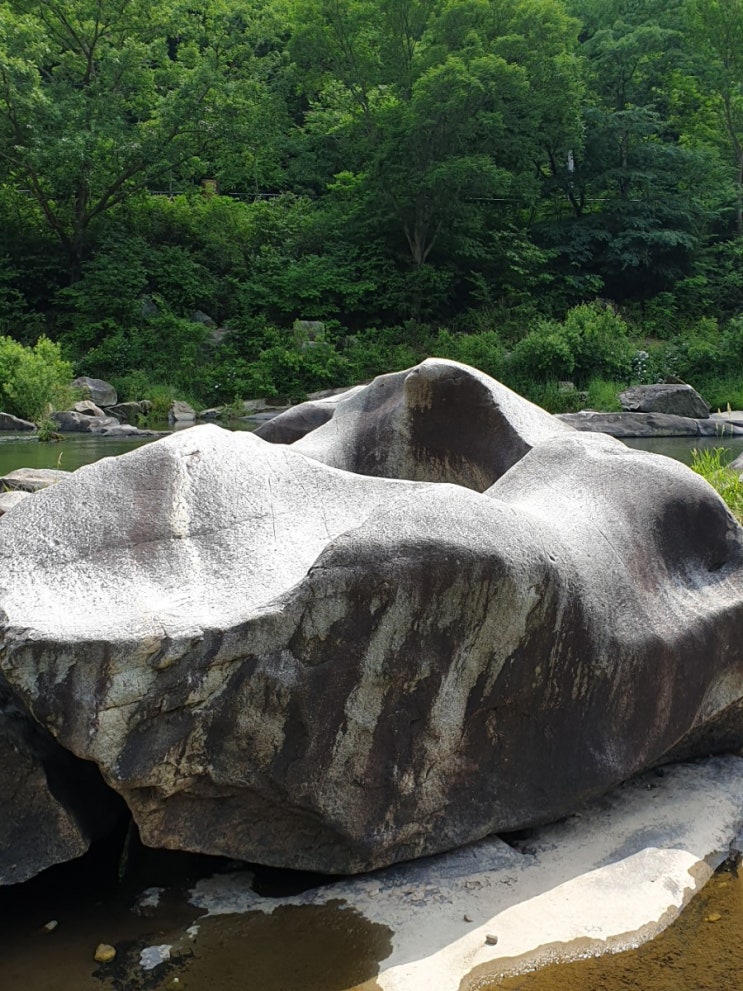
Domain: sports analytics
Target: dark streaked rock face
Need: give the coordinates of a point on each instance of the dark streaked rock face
(276, 660)
(52, 805)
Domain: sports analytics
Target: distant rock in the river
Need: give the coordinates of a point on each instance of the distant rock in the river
(649, 425)
(14, 423)
(280, 661)
(675, 398)
(100, 392)
(73, 421)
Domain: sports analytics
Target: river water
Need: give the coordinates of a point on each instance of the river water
(76, 450)
(50, 926)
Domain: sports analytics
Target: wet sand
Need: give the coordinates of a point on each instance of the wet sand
(701, 951)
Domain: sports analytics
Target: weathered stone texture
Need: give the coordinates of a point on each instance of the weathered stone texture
(280, 661)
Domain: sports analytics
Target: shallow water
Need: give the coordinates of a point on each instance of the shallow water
(73, 452)
(307, 948)
(680, 448)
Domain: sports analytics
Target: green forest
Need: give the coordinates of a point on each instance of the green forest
(271, 197)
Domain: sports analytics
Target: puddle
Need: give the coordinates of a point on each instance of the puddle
(50, 928)
(701, 951)
(295, 948)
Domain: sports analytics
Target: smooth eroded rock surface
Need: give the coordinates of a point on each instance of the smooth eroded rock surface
(438, 422)
(282, 662)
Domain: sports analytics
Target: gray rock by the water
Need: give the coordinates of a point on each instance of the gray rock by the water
(289, 426)
(70, 421)
(130, 412)
(280, 662)
(649, 425)
(677, 399)
(14, 423)
(32, 479)
(102, 393)
(9, 500)
(88, 408)
(181, 412)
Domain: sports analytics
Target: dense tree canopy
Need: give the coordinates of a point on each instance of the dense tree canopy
(364, 163)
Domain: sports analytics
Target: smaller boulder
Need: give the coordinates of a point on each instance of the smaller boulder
(130, 412)
(32, 479)
(102, 393)
(181, 412)
(15, 423)
(87, 408)
(677, 399)
(73, 422)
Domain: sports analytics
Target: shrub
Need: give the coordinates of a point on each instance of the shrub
(33, 380)
(592, 341)
(483, 351)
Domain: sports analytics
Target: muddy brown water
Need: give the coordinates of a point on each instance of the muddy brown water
(307, 948)
(701, 951)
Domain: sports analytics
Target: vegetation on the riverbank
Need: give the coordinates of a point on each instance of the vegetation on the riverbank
(714, 466)
(270, 199)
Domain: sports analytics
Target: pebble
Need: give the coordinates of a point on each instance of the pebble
(50, 926)
(104, 953)
(713, 917)
(491, 940)
(467, 918)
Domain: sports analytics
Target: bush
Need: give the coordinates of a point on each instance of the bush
(593, 341)
(483, 351)
(33, 380)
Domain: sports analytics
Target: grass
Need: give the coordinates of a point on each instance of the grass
(712, 464)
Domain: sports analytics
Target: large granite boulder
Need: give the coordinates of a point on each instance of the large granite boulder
(299, 420)
(278, 661)
(675, 398)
